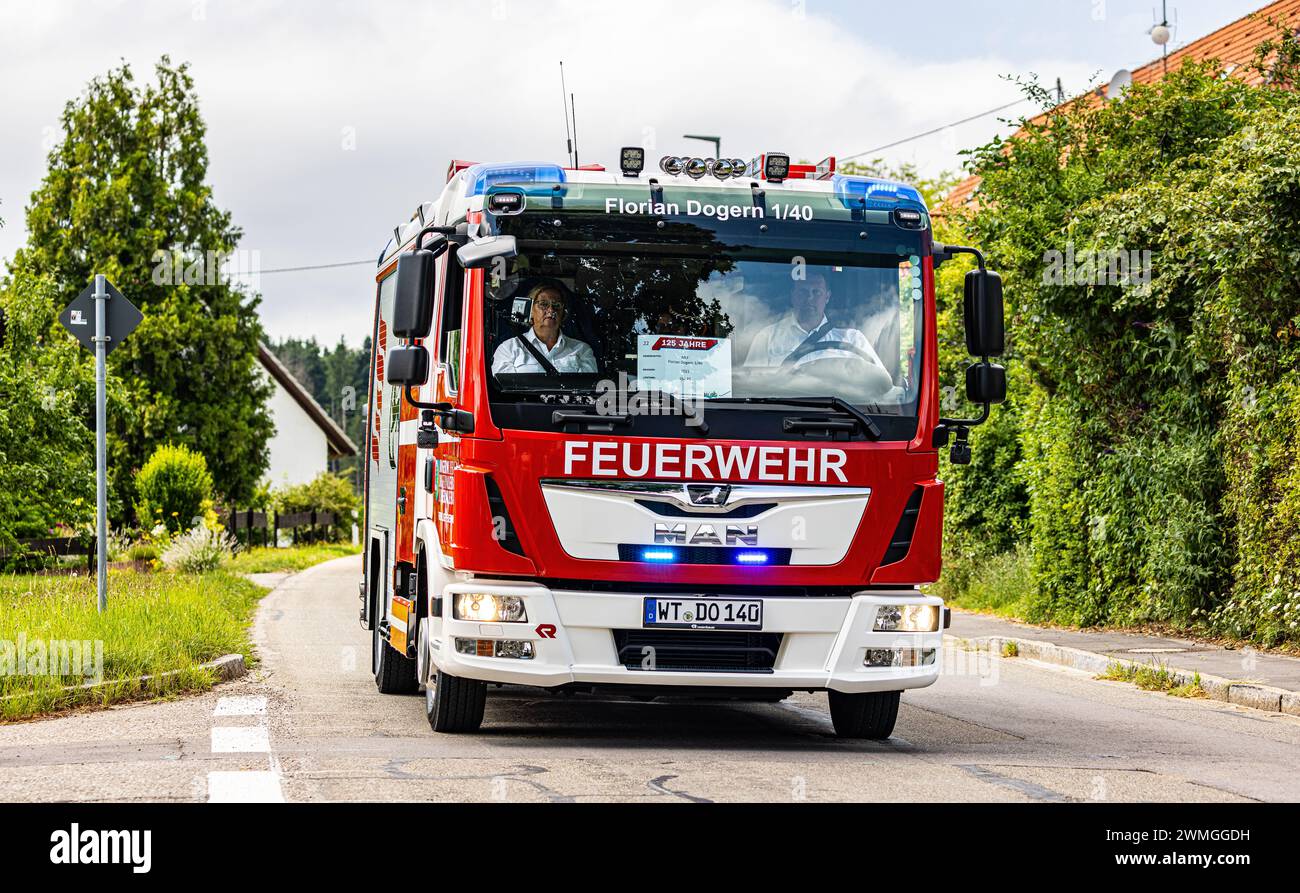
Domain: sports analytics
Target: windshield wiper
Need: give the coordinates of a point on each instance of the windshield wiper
(593, 421)
(838, 403)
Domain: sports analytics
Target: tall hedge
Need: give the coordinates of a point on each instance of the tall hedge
(1153, 422)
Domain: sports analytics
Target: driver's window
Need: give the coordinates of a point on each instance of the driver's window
(453, 315)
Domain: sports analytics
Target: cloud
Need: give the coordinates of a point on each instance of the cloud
(329, 123)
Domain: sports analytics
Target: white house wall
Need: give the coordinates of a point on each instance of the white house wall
(299, 449)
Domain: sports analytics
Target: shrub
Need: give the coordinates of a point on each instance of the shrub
(173, 489)
(997, 584)
(1150, 455)
(326, 493)
(143, 551)
(199, 551)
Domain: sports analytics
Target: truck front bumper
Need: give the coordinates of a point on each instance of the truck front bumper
(598, 638)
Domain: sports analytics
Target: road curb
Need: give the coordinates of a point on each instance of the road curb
(226, 668)
(1244, 694)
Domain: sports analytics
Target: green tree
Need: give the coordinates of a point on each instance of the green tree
(46, 419)
(303, 357)
(126, 195)
(1155, 412)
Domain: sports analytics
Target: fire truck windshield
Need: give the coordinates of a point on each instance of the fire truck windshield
(709, 327)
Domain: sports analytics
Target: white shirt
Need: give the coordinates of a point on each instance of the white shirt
(568, 355)
(773, 344)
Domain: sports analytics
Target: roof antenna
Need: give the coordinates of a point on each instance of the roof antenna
(575, 131)
(1161, 33)
(568, 140)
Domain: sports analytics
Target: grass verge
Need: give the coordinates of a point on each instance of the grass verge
(1001, 585)
(296, 558)
(53, 640)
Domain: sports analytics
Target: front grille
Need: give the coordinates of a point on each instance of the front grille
(667, 509)
(697, 650)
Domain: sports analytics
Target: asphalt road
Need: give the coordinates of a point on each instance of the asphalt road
(309, 725)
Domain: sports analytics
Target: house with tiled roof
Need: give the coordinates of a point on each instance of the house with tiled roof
(307, 442)
(1234, 45)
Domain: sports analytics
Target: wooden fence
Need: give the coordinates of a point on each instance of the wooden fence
(245, 525)
(67, 545)
(304, 526)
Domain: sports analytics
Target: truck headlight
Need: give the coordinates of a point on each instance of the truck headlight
(487, 608)
(907, 619)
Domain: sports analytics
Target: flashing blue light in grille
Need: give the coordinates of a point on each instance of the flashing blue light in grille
(659, 555)
(751, 558)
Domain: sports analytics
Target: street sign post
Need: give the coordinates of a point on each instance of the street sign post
(104, 311)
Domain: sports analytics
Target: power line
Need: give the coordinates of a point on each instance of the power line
(350, 263)
(918, 136)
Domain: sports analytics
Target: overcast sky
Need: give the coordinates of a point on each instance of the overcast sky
(329, 122)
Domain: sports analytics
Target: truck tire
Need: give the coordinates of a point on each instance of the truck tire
(394, 673)
(868, 715)
(454, 704)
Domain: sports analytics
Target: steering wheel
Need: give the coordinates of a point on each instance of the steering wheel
(821, 347)
(861, 371)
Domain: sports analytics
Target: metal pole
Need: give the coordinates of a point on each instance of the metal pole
(101, 450)
(716, 140)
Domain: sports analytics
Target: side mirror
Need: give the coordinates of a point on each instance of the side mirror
(407, 366)
(480, 254)
(986, 383)
(982, 313)
(413, 300)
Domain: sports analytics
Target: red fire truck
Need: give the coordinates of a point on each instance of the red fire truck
(663, 432)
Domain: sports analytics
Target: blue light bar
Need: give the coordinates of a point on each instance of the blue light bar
(751, 558)
(541, 177)
(658, 554)
(877, 194)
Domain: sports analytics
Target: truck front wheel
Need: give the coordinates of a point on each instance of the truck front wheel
(868, 715)
(454, 704)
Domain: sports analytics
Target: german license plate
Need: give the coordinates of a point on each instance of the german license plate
(702, 613)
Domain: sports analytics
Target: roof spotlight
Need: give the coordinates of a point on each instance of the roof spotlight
(776, 166)
(696, 168)
(631, 160)
(722, 168)
(738, 167)
(671, 164)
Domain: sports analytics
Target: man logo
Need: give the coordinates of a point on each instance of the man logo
(708, 494)
(706, 535)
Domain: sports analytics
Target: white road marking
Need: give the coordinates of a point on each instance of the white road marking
(249, 705)
(240, 739)
(244, 787)
(249, 786)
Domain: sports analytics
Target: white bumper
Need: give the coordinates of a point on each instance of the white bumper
(823, 643)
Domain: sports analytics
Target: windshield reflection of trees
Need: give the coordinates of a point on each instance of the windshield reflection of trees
(630, 296)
